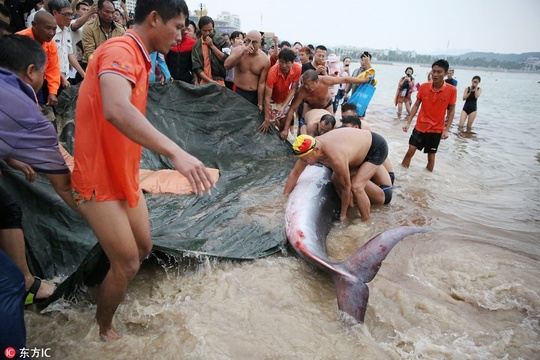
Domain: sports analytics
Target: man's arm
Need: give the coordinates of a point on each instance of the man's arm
(266, 109)
(333, 80)
(342, 177)
(89, 44)
(217, 51)
(73, 62)
(449, 118)
(77, 24)
(414, 110)
(293, 176)
(119, 111)
(52, 74)
(262, 85)
(290, 95)
(297, 100)
(236, 55)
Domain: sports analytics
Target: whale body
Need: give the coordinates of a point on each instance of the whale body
(311, 208)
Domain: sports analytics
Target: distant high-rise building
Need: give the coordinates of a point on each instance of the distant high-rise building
(131, 5)
(228, 19)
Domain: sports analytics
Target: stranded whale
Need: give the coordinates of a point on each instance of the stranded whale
(311, 207)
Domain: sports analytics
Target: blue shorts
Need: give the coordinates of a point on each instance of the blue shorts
(387, 193)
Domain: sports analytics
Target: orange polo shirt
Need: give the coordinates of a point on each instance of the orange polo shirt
(52, 66)
(280, 84)
(106, 161)
(434, 104)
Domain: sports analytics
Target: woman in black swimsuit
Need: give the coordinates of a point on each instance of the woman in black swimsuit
(471, 95)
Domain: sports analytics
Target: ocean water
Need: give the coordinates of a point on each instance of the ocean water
(467, 289)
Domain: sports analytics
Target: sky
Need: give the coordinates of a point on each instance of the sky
(425, 26)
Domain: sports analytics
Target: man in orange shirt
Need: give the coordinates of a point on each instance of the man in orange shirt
(281, 85)
(43, 30)
(437, 99)
(110, 131)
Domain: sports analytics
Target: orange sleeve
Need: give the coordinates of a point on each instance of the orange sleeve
(52, 72)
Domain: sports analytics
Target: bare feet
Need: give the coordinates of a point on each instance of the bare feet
(109, 335)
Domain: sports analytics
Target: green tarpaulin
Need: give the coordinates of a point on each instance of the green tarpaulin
(242, 219)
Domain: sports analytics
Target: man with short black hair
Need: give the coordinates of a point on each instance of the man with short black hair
(103, 28)
(440, 99)
(281, 85)
(61, 10)
(319, 61)
(110, 131)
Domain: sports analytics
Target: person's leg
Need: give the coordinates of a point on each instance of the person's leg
(462, 118)
(12, 327)
(472, 116)
(408, 107)
(430, 161)
(408, 156)
(358, 184)
(399, 108)
(61, 183)
(113, 228)
(12, 243)
(375, 193)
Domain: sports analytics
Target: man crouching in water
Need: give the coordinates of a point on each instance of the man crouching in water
(345, 151)
(110, 131)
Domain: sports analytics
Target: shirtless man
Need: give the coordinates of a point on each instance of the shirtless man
(317, 122)
(315, 94)
(251, 66)
(354, 156)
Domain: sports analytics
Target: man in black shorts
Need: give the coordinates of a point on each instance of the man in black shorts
(354, 155)
(437, 99)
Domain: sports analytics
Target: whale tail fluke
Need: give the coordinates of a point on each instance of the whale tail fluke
(352, 292)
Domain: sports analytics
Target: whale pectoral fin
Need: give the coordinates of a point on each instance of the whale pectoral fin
(352, 297)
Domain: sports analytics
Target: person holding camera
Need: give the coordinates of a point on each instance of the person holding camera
(404, 91)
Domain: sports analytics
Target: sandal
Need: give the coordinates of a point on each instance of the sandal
(30, 295)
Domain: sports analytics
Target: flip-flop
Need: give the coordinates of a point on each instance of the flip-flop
(30, 295)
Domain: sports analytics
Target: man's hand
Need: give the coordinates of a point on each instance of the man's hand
(208, 41)
(52, 100)
(27, 170)
(406, 127)
(265, 126)
(283, 134)
(444, 135)
(194, 170)
(64, 82)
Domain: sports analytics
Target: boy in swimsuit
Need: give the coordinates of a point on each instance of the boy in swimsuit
(110, 131)
(437, 99)
(354, 156)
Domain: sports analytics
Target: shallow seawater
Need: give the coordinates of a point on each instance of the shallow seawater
(467, 289)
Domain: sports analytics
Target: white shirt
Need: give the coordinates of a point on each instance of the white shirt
(76, 36)
(63, 42)
(30, 17)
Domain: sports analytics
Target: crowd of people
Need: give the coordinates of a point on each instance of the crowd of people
(114, 56)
